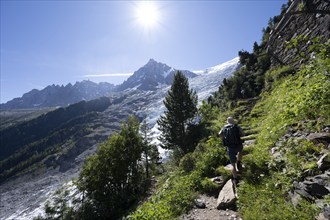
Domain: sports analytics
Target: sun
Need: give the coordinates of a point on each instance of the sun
(147, 14)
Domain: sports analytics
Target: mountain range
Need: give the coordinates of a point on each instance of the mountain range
(46, 149)
(55, 95)
(149, 77)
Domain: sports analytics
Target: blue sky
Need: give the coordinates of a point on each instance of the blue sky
(61, 42)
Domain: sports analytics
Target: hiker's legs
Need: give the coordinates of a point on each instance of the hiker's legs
(232, 152)
(233, 170)
(239, 158)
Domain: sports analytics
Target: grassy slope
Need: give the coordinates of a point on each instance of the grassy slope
(299, 101)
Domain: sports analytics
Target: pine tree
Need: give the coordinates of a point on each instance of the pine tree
(150, 150)
(181, 109)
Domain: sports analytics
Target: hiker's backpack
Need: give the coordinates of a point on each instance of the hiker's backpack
(231, 135)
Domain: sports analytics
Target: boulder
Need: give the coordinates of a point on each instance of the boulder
(317, 138)
(325, 214)
(227, 197)
(324, 162)
(218, 180)
(314, 187)
(295, 198)
(200, 204)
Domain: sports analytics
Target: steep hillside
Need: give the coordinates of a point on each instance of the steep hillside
(286, 119)
(43, 136)
(286, 159)
(12, 117)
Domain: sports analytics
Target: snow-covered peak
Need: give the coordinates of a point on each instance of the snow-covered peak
(168, 72)
(219, 68)
(151, 75)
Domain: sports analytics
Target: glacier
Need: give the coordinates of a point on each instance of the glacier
(24, 197)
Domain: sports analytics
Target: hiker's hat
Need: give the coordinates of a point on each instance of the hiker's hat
(230, 120)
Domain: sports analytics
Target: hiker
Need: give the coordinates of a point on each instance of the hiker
(231, 135)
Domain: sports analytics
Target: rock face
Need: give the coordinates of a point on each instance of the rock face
(314, 187)
(307, 18)
(148, 78)
(227, 197)
(151, 75)
(325, 214)
(55, 95)
(315, 183)
(318, 138)
(324, 162)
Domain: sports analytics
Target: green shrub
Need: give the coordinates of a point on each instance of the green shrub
(266, 201)
(187, 163)
(225, 173)
(209, 187)
(274, 75)
(174, 198)
(213, 156)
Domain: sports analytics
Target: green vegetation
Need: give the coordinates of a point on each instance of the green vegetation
(247, 82)
(177, 122)
(16, 116)
(291, 100)
(113, 178)
(271, 103)
(172, 199)
(266, 201)
(150, 151)
(298, 102)
(177, 192)
(45, 124)
(45, 136)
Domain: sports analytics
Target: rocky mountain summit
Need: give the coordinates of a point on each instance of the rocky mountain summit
(151, 76)
(55, 95)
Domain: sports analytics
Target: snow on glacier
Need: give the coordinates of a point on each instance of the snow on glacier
(205, 83)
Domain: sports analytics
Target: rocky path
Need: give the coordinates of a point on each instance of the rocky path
(210, 212)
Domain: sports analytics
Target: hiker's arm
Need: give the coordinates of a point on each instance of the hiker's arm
(241, 132)
(220, 134)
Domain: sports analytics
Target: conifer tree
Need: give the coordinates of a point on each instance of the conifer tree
(113, 178)
(181, 108)
(150, 151)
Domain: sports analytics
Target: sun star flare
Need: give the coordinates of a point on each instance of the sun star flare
(147, 14)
